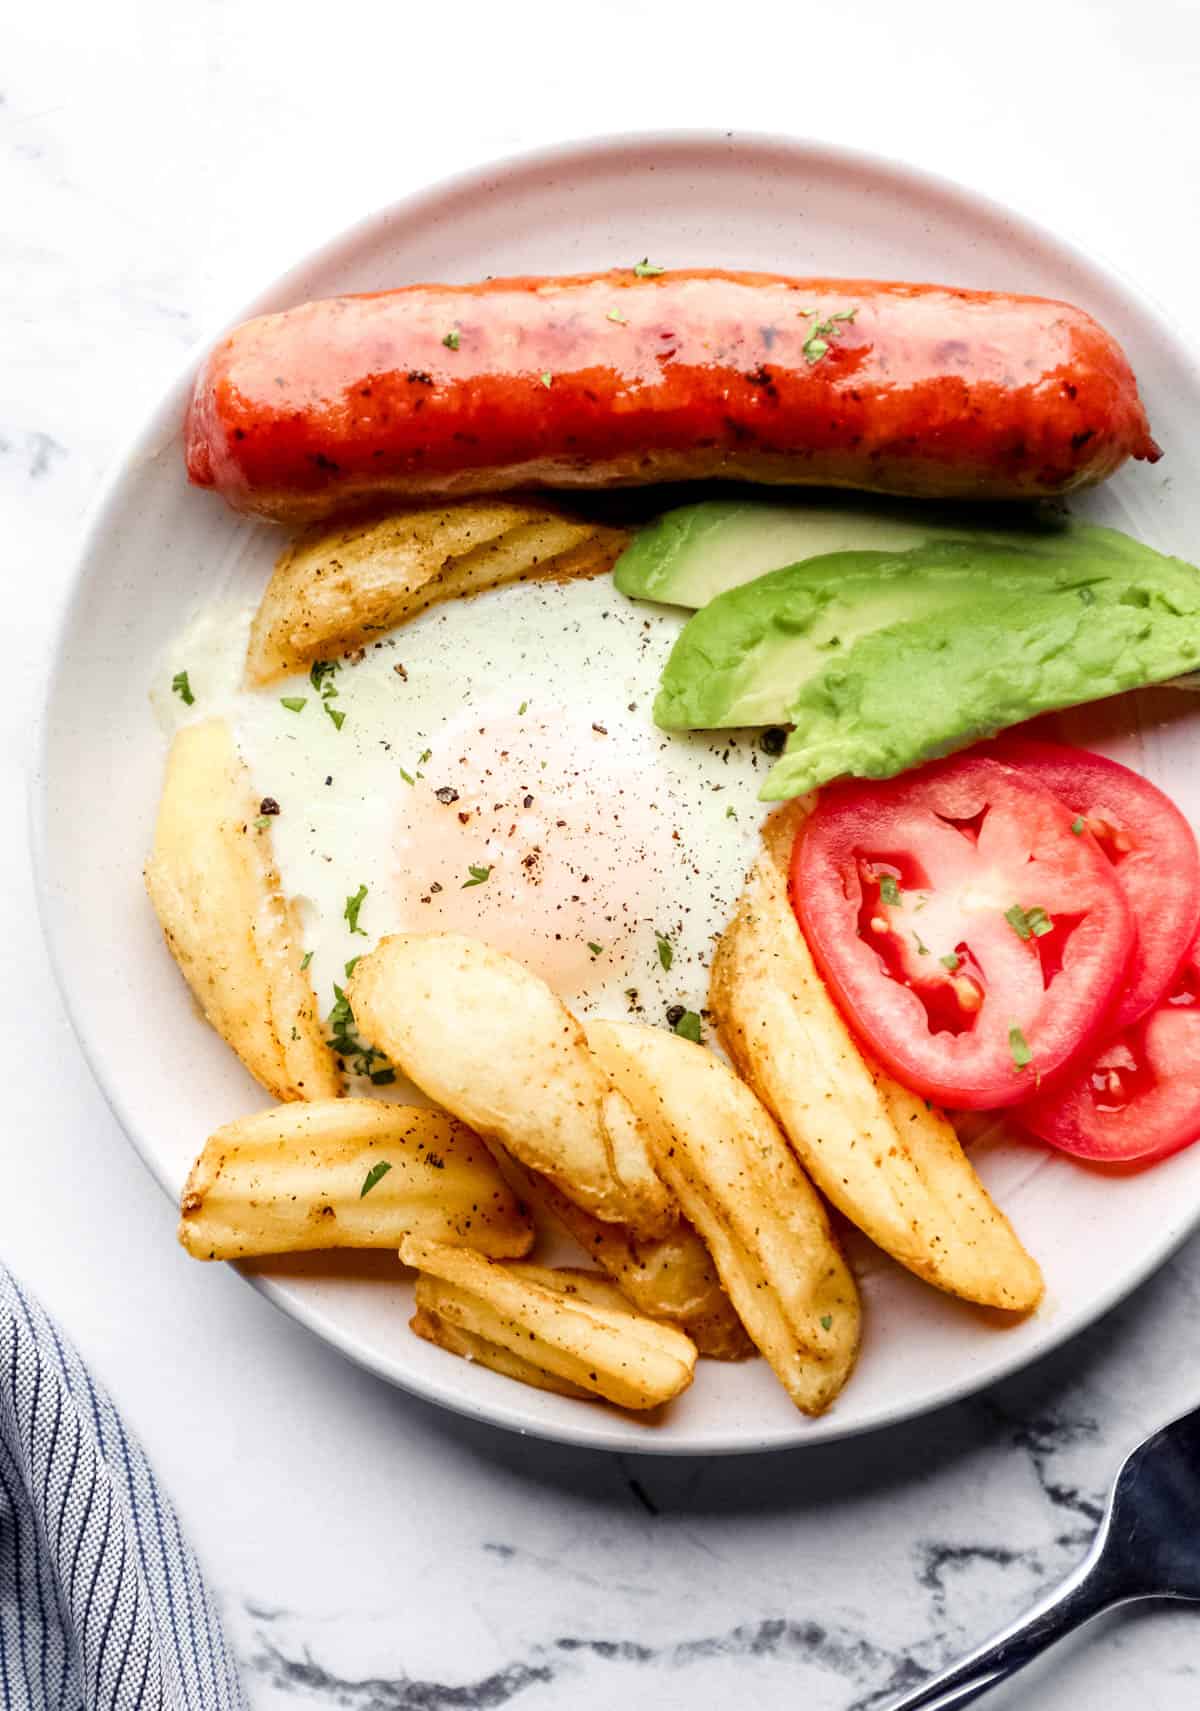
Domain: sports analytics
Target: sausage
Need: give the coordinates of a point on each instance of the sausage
(615, 379)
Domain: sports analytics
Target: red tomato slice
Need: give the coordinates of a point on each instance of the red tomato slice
(1152, 849)
(971, 938)
(1139, 1098)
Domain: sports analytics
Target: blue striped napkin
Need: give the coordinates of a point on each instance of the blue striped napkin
(102, 1606)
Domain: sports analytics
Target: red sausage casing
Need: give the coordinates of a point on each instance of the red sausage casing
(612, 379)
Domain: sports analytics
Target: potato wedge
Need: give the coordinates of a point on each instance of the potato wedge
(347, 1173)
(338, 587)
(893, 1166)
(427, 1322)
(739, 1184)
(586, 1335)
(213, 884)
(488, 1040)
(670, 1277)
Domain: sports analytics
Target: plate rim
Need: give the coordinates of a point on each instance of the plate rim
(595, 1430)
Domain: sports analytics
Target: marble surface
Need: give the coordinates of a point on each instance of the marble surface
(156, 164)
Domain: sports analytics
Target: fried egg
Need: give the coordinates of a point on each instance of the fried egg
(492, 768)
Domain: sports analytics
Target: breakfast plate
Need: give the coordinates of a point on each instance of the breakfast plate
(161, 560)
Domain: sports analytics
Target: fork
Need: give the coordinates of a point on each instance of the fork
(1144, 1548)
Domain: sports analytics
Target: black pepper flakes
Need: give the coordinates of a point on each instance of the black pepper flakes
(268, 805)
(446, 795)
(675, 1014)
(772, 740)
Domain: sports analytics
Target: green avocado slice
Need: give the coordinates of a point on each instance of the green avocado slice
(883, 660)
(689, 555)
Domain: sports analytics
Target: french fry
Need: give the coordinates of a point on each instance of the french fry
(892, 1165)
(488, 1040)
(212, 881)
(739, 1184)
(347, 1173)
(669, 1277)
(338, 587)
(584, 1335)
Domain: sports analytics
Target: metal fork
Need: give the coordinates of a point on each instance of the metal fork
(1147, 1546)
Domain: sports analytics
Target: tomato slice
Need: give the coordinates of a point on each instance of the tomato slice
(1139, 1098)
(1152, 849)
(971, 938)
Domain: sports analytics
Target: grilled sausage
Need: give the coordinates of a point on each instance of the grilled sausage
(615, 379)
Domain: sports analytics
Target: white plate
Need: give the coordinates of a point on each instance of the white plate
(155, 547)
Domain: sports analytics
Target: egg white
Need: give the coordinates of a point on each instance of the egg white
(614, 852)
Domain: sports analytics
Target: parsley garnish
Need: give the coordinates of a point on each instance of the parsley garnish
(353, 905)
(1029, 923)
(262, 822)
(889, 890)
(688, 1027)
(318, 673)
(478, 875)
(451, 340)
(346, 1042)
(294, 703)
(352, 965)
(616, 315)
(407, 776)
(731, 813)
(522, 707)
(666, 951)
(594, 948)
(339, 719)
(950, 961)
(646, 269)
(922, 950)
(826, 1321)
(376, 1174)
(305, 960)
(546, 377)
(182, 688)
(1077, 825)
(816, 344)
(1019, 1047)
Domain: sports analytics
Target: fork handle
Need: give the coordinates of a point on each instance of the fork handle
(1092, 1588)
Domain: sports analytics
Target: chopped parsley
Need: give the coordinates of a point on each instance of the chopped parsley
(1077, 825)
(339, 719)
(1029, 923)
(352, 965)
(451, 340)
(262, 822)
(407, 776)
(922, 950)
(889, 890)
(688, 1027)
(319, 673)
(350, 912)
(1019, 1047)
(294, 703)
(816, 345)
(666, 951)
(305, 960)
(425, 755)
(594, 948)
(478, 875)
(546, 378)
(521, 709)
(616, 315)
(731, 813)
(827, 1321)
(646, 269)
(376, 1174)
(351, 1048)
(181, 687)
(951, 961)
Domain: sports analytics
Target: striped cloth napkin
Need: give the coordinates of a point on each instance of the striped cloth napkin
(102, 1606)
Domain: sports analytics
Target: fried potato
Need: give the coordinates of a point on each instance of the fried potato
(488, 1040)
(739, 1184)
(892, 1165)
(573, 1327)
(338, 587)
(347, 1173)
(669, 1277)
(213, 884)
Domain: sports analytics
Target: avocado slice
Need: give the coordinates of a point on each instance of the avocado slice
(689, 555)
(882, 660)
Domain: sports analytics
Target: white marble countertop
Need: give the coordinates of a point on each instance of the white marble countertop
(157, 163)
